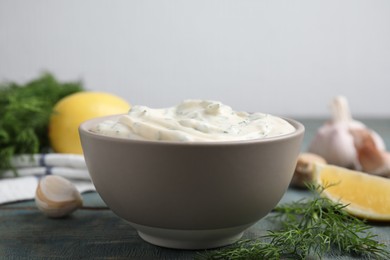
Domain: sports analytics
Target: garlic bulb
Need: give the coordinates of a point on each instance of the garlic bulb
(57, 197)
(334, 140)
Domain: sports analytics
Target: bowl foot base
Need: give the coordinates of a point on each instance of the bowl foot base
(190, 239)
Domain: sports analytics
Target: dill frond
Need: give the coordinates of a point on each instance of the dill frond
(25, 112)
(311, 227)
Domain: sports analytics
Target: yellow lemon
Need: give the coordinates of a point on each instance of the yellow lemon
(74, 109)
(367, 196)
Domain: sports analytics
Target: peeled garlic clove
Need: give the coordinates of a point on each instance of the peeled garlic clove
(57, 197)
(304, 169)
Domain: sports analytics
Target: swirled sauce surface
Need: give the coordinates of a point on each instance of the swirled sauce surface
(194, 121)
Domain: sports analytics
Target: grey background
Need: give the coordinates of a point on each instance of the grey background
(282, 57)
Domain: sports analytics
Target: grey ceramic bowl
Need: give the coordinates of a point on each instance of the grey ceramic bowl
(190, 195)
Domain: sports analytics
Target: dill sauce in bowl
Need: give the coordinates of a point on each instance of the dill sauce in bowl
(194, 176)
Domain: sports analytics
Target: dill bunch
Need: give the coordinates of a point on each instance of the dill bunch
(25, 112)
(308, 228)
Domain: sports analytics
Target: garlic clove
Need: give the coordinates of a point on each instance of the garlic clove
(372, 158)
(379, 142)
(57, 197)
(304, 169)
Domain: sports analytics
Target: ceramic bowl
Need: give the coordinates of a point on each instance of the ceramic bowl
(190, 195)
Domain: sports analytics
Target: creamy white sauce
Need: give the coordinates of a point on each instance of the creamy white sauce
(194, 121)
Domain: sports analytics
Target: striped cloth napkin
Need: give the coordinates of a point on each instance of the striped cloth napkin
(21, 183)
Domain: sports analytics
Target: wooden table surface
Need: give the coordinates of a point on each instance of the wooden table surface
(95, 232)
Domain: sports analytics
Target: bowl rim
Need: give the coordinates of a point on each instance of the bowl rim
(86, 125)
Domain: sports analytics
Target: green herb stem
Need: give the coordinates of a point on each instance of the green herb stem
(311, 227)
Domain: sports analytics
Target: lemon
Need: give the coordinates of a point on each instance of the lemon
(74, 109)
(366, 196)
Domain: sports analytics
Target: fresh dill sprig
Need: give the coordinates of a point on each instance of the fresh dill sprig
(311, 227)
(25, 111)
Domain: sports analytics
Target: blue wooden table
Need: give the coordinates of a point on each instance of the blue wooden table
(95, 232)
